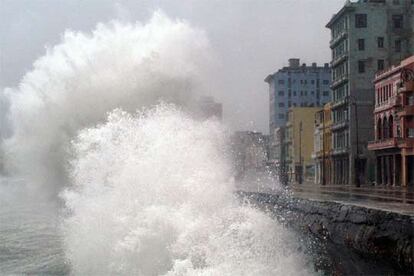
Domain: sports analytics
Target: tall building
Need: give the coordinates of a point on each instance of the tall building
(296, 86)
(299, 143)
(366, 36)
(207, 107)
(394, 125)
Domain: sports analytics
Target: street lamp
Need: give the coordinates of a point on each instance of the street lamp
(300, 153)
(352, 101)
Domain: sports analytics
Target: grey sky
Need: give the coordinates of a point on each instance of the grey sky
(250, 38)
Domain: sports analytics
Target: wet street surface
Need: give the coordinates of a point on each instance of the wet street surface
(392, 199)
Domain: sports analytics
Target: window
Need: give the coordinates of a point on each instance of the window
(290, 94)
(410, 132)
(313, 93)
(281, 93)
(306, 93)
(294, 104)
(380, 64)
(398, 46)
(380, 42)
(397, 21)
(281, 81)
(360, 20)
(312, 81)
(306, 81)
(361, 66)
(281, 104)
(326, 82)
(281, 116)
(361, 44)
(325, 93)
(294, 93)
(289, 104)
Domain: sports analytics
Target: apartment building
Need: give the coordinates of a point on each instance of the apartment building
(366, 37)
(296, 85)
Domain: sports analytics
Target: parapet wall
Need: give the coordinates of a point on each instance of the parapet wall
(370, 232)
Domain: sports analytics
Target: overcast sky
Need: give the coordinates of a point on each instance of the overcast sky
(252, 38)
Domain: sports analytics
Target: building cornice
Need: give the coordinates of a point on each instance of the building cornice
(335, 17)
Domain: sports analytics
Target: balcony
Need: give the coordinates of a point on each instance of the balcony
(390, 103)
(339, 59)
(339, 151)
(338, 81)
(319, 154)
(407, 110)
(338, 102)
(383, 144)
(339, 125)
(407, 87)
(338, 38)
(406, 143)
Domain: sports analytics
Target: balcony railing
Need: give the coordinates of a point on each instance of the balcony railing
(407, 110)
(339, 102)
(391, 102)
(339, 80)
(406, 143)
(339, 125)
(383, 144)
(339, 59)
(338, 151)
(338, 38)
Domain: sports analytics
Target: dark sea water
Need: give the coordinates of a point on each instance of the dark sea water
(30, 240)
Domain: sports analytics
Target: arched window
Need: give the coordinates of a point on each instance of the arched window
(390, 127)
(379, 129)
(385, 128)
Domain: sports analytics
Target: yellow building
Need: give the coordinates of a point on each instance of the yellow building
(299, 143)
(323, 145)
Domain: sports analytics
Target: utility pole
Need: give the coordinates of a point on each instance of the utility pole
(352, 101)
(300, 153)
(323, 147)
(357, 163)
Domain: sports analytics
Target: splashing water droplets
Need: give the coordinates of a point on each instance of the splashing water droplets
(148, 192)
(153, 196)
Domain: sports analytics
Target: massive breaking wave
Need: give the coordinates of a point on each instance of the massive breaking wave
(87, 75)
(153, 195)
(147, 192)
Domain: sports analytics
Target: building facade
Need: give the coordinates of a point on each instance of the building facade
(366, 36)
(296, 86)
(207, 107)
(249, 150)
(299, 143)
(394, 125)
(323, 145)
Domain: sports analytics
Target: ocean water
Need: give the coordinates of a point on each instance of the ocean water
(30, 236)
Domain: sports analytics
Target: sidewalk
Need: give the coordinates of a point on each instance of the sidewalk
(392, 199)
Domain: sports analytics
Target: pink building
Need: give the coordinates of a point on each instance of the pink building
(394, 125)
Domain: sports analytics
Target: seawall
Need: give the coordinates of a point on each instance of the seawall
(367, 231)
